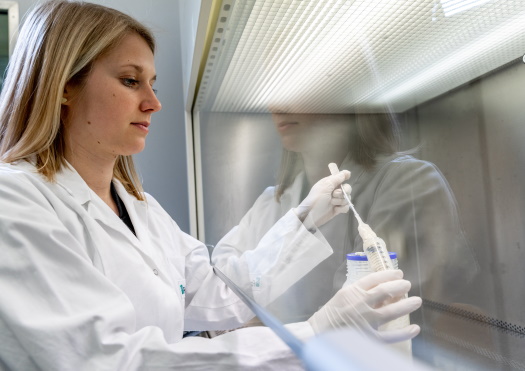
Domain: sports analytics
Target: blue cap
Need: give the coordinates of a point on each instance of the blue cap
(356, 257)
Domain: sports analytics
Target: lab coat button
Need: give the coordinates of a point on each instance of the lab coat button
(156, 272)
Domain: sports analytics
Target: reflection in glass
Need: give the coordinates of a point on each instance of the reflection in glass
(449, 199)
(406, 201)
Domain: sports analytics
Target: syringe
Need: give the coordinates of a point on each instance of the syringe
(378, 260)
(373, 246)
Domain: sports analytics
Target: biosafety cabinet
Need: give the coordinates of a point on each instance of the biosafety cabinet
(422, 101)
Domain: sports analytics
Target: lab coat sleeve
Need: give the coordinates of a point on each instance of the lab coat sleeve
(58, 312)
(415, 212)
(252, 348)
(267, 253)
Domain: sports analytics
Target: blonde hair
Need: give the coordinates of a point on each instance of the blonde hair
(58, 44)
(375, 134)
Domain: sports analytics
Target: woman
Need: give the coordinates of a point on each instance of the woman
(94, 273)
(406, 201)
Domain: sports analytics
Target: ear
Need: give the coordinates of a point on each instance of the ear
(67, 95)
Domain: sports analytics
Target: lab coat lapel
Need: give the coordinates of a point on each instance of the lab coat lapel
(355, 169)
(110, 221)
(100, 214)
(138, 213)
(72, 182)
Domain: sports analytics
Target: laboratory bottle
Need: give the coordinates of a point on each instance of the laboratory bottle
(357, 267)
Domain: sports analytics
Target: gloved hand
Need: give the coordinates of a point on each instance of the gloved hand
(325, 199)
(369, 303)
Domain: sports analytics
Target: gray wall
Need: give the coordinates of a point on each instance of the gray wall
(162, 164)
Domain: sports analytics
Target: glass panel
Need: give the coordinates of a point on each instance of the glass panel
(422, 102)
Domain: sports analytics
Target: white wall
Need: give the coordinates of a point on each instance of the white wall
(162, 165)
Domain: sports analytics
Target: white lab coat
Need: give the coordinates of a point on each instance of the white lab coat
(80, 292)
(406, 201)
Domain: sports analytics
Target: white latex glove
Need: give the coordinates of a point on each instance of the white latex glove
(325, 199)
(368, 303)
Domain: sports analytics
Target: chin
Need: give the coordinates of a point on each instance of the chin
(291, 144)
(140, 145)
(133, 150)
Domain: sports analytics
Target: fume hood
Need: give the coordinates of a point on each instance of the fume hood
(448, 73)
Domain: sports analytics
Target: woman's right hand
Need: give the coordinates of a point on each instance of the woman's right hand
(325, 199)
(368, 303)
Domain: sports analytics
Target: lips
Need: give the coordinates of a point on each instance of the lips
(143, 125)
(283, 125)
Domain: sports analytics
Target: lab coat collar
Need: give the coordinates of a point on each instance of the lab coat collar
(69, 179)
(355, 169)
(71, 182)
(358, 171)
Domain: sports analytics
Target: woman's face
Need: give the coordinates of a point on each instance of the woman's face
(305, 133)
(111, 114)
(290, 128)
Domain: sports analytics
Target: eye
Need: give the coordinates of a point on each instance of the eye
(129, 82)
(155, 91)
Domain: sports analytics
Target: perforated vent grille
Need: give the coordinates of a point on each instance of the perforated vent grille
(333, 56)
(504, 326)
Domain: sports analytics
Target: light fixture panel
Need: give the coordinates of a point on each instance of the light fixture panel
(334, 56)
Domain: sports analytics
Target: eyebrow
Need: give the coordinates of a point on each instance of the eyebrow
(139, 68)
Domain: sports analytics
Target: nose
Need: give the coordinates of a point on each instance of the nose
(150, 103)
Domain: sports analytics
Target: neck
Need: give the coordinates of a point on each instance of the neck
(316, 167)
(316, 162)
(330, 142)
(97, 172)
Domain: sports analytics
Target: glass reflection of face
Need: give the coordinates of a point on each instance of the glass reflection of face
(111, 113)
(309, 132)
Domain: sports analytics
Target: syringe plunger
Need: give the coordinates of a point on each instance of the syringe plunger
(378, 260)
(373, 246)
